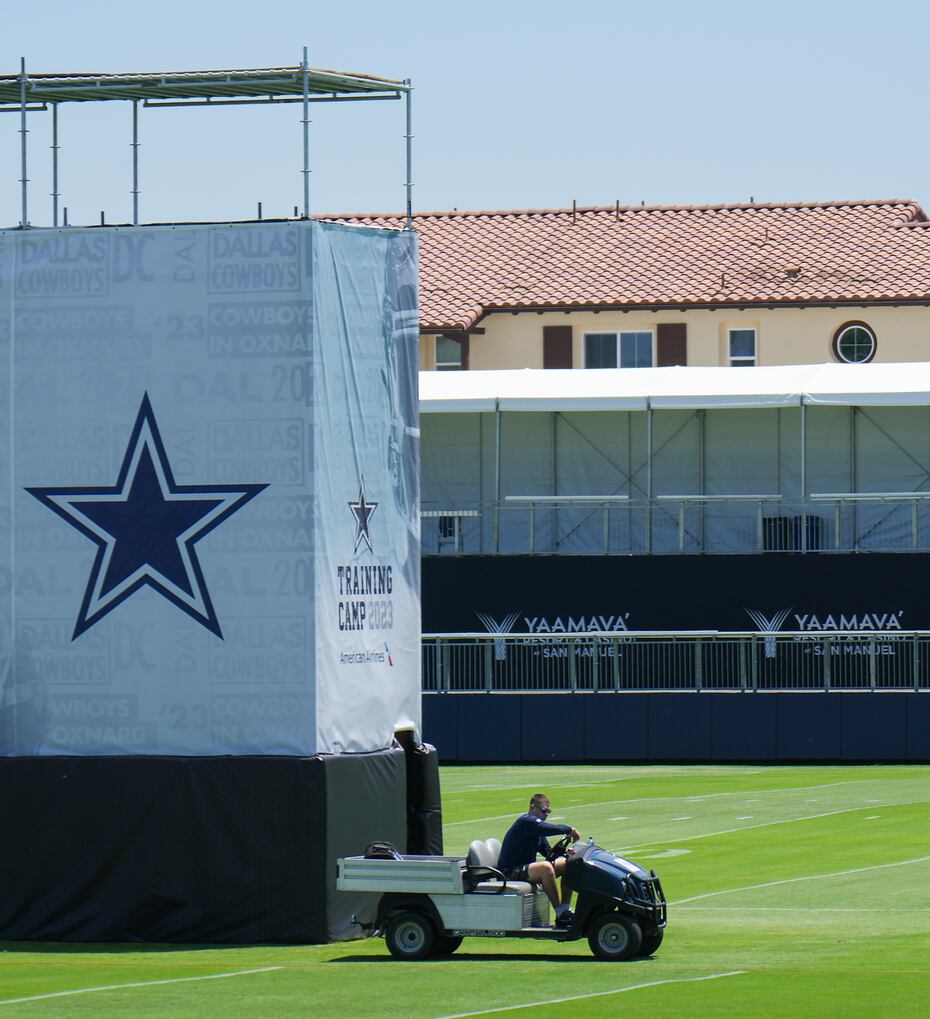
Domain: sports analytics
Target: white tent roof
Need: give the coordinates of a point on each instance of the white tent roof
(530, 389)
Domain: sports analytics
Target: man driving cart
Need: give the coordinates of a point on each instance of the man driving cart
(526, 838)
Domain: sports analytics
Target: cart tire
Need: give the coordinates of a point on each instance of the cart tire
(410, 936)
(445, 944)
(614, 937)
(651, 941)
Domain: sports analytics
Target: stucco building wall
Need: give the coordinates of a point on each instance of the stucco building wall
(783, 335)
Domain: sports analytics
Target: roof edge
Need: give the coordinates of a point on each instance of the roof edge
(564, 308)
(920, 215)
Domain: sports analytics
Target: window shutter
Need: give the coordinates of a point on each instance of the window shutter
(557, 346)
(671, 344)
(464, 345)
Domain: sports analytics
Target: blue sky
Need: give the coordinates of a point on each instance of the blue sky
(517, 105)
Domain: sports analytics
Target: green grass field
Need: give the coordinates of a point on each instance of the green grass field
(801, 892)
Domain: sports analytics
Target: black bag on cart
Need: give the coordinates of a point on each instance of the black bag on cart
(381, 851)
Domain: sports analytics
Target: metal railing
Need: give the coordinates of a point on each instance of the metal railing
(448, 528)
(680, 524)
(611, 661)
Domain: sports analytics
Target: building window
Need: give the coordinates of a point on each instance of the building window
(618, 350)
(636, 350)
(854, 343)
(448, 354)
(600, 350)
(742, 348)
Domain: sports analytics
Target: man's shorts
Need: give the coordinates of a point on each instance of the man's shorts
(517, 873)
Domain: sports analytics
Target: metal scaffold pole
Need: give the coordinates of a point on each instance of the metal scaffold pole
(409, 138)
(55, 192)
(24, 180)
(299, 84)
(135, 162)
(305, 68)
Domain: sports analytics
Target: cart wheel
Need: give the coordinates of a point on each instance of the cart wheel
(445, 944)
(410, 936)
(651, 941)
(614, 937)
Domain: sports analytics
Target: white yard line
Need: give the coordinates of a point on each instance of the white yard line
(761, 824)
(783, 789)
(480, 820)
(145, 983)
(593, 994)
(807, 877)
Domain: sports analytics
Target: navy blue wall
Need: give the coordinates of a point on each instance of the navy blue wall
(673, 592)
(855, 727)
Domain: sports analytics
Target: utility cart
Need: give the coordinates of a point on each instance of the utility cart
(428, 904)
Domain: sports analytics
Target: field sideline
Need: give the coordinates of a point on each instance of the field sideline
(794, 892)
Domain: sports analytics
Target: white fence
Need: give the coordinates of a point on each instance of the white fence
(610, 661)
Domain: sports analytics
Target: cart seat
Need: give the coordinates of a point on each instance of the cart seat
(481, 868)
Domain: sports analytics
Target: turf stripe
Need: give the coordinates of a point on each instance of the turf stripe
(806, 877)
(593, 994)
(583, 783)
(762, 824)
(145, 983)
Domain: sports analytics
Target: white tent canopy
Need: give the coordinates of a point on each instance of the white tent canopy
(839, 385)
(686, 459)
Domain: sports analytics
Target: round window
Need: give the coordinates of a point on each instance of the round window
(854, 343)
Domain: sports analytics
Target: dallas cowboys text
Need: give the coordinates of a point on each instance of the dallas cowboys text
(243, 260)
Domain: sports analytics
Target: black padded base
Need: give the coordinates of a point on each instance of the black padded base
(230, 850)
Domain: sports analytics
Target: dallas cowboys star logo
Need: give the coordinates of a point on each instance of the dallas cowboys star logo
(362, 511)
(145, 528)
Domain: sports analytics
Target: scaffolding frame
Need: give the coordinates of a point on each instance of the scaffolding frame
(31, 93)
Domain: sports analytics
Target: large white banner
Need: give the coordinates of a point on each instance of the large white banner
(208, 490)
(367, 489)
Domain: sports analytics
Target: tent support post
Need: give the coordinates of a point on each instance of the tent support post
(630, 512)
(555, 479)
(853, 473)
(497, 476)
(648, 475)
(803, 475)
(702, 467)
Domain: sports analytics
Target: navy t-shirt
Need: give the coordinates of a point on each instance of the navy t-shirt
(526, 838)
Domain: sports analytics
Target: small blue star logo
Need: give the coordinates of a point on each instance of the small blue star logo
(145, 528)
(362, 510)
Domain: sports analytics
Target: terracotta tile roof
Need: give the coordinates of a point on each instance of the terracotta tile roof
(811, 253)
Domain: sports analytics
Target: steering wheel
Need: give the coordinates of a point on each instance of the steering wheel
(560, 849)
